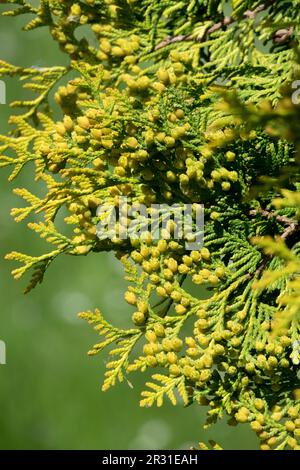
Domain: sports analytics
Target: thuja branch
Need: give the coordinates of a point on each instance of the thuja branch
(150, 128)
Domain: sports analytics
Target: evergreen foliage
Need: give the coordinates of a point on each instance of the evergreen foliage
(177, 101)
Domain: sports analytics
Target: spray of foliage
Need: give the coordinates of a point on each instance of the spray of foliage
(177, 101)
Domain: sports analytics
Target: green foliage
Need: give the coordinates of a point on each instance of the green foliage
(178, 102)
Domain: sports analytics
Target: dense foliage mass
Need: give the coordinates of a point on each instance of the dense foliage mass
(189, 101)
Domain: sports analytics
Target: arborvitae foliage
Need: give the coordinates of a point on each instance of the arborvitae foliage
(178, 101)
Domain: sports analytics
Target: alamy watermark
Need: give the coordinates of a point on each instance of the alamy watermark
(295, 354)
(2, 353)
(296, 93)
(2, 92)
(135, 221)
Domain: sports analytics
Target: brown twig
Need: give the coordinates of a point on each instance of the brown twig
(173, 40)
(283, 35)
(190, 37)
(226, 21)
(289, 230)
(291, 227)
(262, 266)
(251, 14)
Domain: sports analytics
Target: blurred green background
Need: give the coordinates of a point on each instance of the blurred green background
(50, 394)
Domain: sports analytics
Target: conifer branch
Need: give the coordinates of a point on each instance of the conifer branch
(151, 127)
